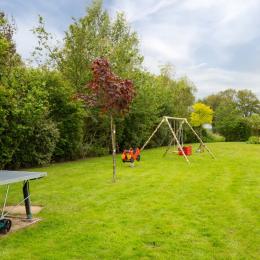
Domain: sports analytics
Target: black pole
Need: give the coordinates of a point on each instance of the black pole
(27, 203)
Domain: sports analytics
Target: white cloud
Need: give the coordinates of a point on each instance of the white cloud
(238, 24)
(139, 10)
(199, 38)
(210, 80)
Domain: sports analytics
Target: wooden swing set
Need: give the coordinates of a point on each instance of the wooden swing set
(175, 125)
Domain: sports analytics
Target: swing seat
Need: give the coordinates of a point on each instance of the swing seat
(131, 155)
(186, 149)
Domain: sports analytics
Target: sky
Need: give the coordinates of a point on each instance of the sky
(216, 44)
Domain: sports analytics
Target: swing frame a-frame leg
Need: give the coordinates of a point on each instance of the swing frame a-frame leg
(200, 140)
(154, 132)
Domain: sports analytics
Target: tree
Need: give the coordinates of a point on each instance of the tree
(28, 136)
(213, 101)
(144, 111)
(183, 97)
(110, 94)
(96, 35)
(242, 103)
(8, 56)
(67, 112)
(247, 102)
(230, 123)
(46, 52)
(254, 123)
(176, 96)
(202, 114)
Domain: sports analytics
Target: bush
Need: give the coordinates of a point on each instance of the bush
(213, 137)
(37, 146)
(230, 123)
(27, 135)
(68, 114)
(95, 150)
(236, 129)
(254, 140)
(9, 134)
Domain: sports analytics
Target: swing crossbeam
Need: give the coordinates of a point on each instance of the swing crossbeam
(176, 134)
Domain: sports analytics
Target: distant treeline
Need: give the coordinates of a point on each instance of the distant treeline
(41, 120)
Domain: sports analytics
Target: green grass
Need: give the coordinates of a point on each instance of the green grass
(161, 209)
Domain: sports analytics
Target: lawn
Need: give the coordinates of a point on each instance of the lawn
(161, 209)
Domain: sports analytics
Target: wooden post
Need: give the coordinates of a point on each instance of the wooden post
(156, 129)
(177, 141)
(200, 140)
(113, 139)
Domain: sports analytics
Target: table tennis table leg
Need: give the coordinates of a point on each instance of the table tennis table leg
(27, 202)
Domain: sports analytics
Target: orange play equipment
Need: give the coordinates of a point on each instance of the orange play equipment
(131, 155)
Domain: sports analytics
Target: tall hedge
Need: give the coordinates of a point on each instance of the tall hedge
(40, 120)
(28, 135)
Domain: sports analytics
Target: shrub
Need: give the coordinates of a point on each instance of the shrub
(37, 146)
(9, 136)
(254, 140)
(68, 114)
(213, 137)
(28, 136)
(95, 150)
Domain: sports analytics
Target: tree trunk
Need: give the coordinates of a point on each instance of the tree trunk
(113, 138)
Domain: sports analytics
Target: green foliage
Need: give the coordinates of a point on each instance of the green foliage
(211, 137)
(39, 119)
(96, 35)
(247, 102)
(8, 56)
(144, 112)
(254, 140)
(28, 136)
(95, 150)
(242, 104)
(254, 123)
(202, 114)
(37, 145)
(8, 131)
(175, 96)
(45, 53)
(230, 124)
(68, 114)
(213, 101)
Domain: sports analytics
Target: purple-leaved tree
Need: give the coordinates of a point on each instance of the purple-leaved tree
(111, 94)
